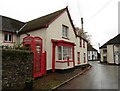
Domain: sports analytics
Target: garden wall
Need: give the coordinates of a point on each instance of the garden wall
(17, 66)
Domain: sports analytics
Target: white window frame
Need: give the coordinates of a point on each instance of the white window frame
(8, 37)
(65, 31)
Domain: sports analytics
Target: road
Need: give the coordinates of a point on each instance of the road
(100, 76)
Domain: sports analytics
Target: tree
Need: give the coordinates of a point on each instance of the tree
(83, 34)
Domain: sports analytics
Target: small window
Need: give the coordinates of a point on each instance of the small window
(83, 44)
(78, 54)
(8, 37)
(104, 51)
(65, 31)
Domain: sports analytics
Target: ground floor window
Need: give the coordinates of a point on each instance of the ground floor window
(8, 37)
(64, 53)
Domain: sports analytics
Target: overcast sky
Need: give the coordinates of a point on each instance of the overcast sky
(100, 16)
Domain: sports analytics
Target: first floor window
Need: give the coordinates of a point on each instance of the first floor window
(64, 53)
(83, 44)
(8, 37)
(65, 31)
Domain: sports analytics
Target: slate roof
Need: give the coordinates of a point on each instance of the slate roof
(10, 25)
(44, 21)
(115, 40)
(90, 48)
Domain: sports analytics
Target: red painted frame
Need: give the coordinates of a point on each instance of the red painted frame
(32, 42)
(78, 55)
(61, 43)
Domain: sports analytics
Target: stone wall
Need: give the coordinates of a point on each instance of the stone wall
(17, 66)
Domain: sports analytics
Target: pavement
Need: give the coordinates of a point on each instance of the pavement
(82, 72)
(100, 76)
(54, 80)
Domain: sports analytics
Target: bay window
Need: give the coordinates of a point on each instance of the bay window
(64, 53)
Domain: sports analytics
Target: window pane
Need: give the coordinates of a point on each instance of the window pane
(59, 53)
(64, 53)
(64, 31)
(6, 37)
(10, 38)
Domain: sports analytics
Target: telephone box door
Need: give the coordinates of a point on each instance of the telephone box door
(35, 44)
(38, 62)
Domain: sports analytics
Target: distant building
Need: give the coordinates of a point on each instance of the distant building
(92, 53)
(110, 51)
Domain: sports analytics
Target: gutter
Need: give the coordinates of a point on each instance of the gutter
(17, 32)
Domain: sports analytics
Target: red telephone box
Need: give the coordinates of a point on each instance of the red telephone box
(35, 44)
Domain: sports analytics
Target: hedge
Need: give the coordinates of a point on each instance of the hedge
(17, 66)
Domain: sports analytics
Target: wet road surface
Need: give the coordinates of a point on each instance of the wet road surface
(100, 76)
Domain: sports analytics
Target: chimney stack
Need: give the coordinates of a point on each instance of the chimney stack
(82, 23)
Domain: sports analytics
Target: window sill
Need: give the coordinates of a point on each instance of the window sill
(7, 42)
(64, 61)
(65, 38)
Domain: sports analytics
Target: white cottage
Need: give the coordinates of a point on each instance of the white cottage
(8, 28)
(92, 53)
(110, 51)
(54, 42)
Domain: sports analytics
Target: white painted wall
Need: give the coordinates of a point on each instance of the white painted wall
(82, 51)
(117, 54)
(110, 54)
